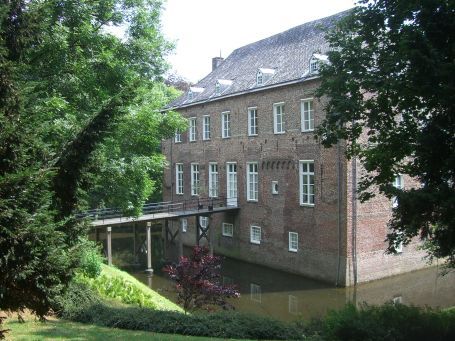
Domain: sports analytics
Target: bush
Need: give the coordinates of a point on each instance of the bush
(77, 298)
(389, 322)
(222, 325)
(119, 289)
(91, 260)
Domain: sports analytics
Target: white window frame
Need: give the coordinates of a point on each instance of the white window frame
(278, 118)
(259, 78)
(307, 115)
(226, 124)
(184, 224)
(314, 65)
(252, 121)
(275, 187)
(206, 127)
(178, 136)
(398, 183)
(179, 178)
(227, 229)
(195, 180)
(192, 133)
(304, 181)
(213, 180)
(293, 243)
(217, 88)
(252, 181)
(254, 231)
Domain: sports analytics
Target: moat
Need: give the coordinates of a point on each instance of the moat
(285, 296)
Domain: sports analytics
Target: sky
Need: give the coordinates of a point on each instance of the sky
(202, 29)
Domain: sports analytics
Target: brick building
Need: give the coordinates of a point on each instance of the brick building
(251, 139)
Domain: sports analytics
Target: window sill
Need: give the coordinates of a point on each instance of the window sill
(294, 251)
(306, 205)
(255, 242)
(205, 139)
(252, 135)
(308, 131)
(252, 200)
(227, 235)
(280, 133)
(225, 137)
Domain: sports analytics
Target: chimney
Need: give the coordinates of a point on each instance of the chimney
(216, 61)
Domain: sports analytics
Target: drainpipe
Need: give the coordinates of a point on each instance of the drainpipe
(172, 172)
(354, 218)
(339, 174)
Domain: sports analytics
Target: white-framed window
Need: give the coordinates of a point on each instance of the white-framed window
(306, 169)
(314, 65)
(195, 183)
(228, 229)
(307, 114)
(293, 241)
(259, 78)
(278, 118)
(252, 184)
(398, 183)
(255, 235)
(252, 121)
(255, 292)
(293, 304)
(178, 136)
(206, 128)
(190, 95)
(192, 131)
(213, 180)
(179, 178)
(397, 300)
(217, 88)
(226, 124)
(184, 224)
(274, 187)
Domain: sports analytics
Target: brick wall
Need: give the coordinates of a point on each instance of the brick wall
(325, 237)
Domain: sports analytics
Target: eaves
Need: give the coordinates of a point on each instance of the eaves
(239, 93)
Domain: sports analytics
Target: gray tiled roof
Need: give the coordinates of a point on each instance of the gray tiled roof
(288, 53)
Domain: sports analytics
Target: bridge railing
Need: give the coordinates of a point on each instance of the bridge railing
(161, 207)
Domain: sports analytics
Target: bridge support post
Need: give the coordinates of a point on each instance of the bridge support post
(109, 244)
(149, 269)
(166, 238)
(180, 241)
(198, 230)
(135, 257)
(211, 233)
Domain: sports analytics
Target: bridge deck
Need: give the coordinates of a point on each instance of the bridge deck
(161, 215)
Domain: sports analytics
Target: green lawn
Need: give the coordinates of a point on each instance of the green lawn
(64, 330)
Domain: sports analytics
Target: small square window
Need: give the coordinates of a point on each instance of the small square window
(228, 230)
(255, 235)
(397, 300)
(274, 187)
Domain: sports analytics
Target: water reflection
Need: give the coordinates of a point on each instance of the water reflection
(286, 296)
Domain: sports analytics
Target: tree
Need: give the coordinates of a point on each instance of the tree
(66, 86)
(390, 86)
(197, 281)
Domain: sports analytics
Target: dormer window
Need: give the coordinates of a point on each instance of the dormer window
(193, 92)
(259, 78)
(314, 65)
(263, 76)
(221, 86)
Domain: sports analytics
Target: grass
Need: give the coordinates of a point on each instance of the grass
(55, 329)
(161, 302)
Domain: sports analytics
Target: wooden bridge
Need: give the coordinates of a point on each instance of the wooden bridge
(169, 210)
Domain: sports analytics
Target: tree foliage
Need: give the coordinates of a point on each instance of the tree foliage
(69, 92)
(390, 86)
(197, 281)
